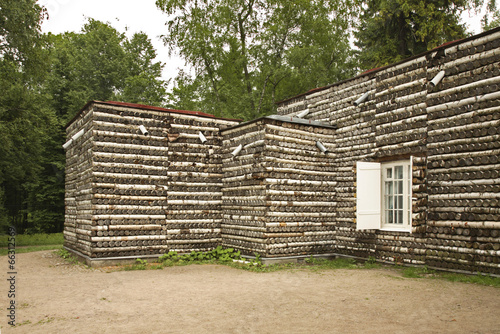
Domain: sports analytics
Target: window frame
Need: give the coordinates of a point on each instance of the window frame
(370, 201)
(406, 193)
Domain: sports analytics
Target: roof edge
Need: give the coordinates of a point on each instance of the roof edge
(147, 107)
(378, 69)
(286, 119)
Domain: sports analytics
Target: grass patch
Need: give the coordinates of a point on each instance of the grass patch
(340, 263)
(29, 249)
(26, 243)
(67, 256)
(424, 272)
(39, 242)
(40, 239)
(226, 256)
(476, 279)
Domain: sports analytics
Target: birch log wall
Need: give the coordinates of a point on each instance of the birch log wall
(279, 190)
(441, 109)
(141, 181)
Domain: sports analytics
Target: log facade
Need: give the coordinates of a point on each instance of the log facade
(266, 187)
(440, 110)
(279, 190)
(131, 193)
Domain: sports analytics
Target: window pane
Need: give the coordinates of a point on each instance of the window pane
(388, 217)
(400, 187)
(399, 217)
(398, 170)
(390, 203)
(388, 188)
(399, 204)
(389, 173)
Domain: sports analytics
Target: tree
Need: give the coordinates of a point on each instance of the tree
(142, 83)
(44, 81)
(491, 18)
(97, 64)
(25, 120)
(102, 64)
(248, 54)
(391, 30)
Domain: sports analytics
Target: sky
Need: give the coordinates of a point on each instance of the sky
(143, 15)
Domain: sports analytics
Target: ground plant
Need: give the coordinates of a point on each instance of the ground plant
(231, 257)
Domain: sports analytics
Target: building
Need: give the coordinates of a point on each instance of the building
(400, 163)
(142, 180)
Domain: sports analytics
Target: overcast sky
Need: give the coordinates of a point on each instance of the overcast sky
(143, 15)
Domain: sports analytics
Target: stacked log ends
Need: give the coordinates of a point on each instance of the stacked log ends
(463, 163)
(441, 110)
(292, 106)
(140, 181)
(194, 183)
(131, 191)
(355, 140)
(78, 194)
(401, 118)
(278, 195)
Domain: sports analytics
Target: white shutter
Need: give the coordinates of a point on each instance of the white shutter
(368, 198)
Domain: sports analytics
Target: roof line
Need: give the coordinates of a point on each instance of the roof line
(378, 69)
(287, 119)
(147, 107)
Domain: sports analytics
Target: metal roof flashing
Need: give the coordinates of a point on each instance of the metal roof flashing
(287, 119)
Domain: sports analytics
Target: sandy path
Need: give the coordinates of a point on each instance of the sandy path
(60, 298)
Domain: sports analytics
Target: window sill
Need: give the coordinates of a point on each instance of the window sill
(395, 229)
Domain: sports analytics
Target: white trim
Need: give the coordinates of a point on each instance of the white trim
(407, 193)
(368, 201)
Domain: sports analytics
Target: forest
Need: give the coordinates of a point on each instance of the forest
(245, 56)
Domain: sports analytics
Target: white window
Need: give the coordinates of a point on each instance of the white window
(383, 195)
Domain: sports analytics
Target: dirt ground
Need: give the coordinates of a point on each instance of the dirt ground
(55, 297)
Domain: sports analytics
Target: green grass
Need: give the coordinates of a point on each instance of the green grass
(40, 242)
(26, 243)
(424, 272)
(33, 240)
(311, 263)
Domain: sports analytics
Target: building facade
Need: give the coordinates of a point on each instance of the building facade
(400, 163)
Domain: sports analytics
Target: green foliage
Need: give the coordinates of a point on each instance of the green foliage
(64, 254)
(217, 255)
(102, 64)
(34, 239)
(425, 272)
(416, 272)
(44, 81)
(69, 257)
(247, 55)
(21, 41)
(26, 123)
(140, 264)
(391, 30)
(491, 18)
